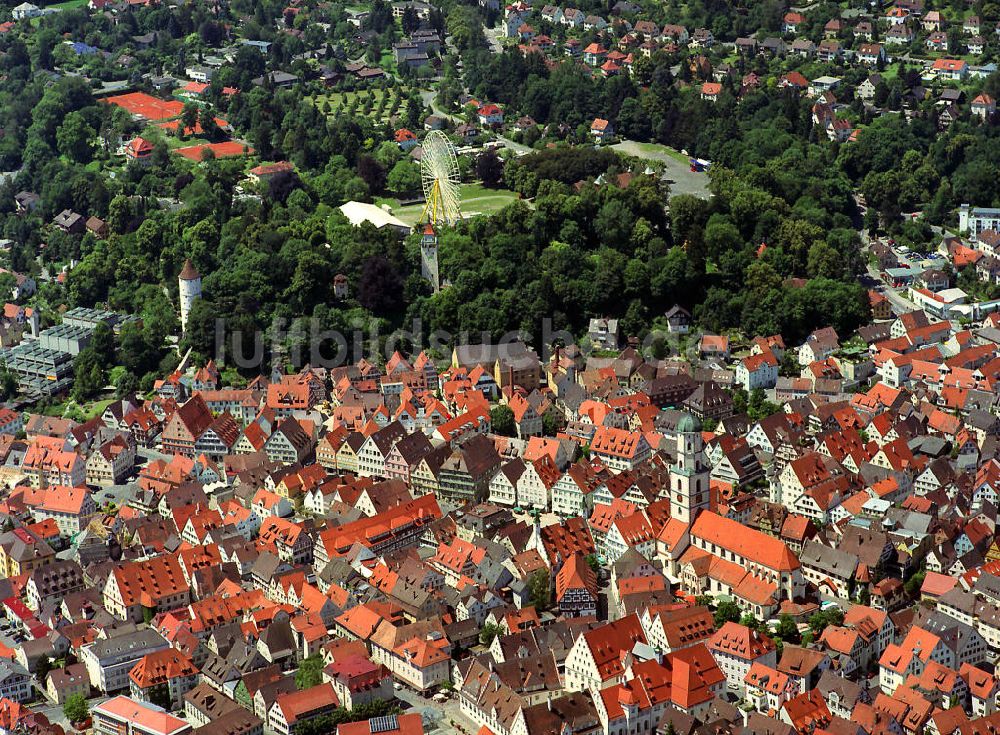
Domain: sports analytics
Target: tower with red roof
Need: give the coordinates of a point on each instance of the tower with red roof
(189, 284)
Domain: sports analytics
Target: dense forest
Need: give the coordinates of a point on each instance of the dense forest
(567, 255)
(774, 250)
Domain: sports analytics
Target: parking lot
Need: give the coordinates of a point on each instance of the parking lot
(908, 259)
(10, 636)
(676, 170)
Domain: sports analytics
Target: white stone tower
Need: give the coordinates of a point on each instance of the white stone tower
(340, 286)
(689, 475)
(429, 257)
(189, 282)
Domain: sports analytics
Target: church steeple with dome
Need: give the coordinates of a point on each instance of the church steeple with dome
(689, 475)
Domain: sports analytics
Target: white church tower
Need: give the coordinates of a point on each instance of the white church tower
(689, 475)
(189, 282)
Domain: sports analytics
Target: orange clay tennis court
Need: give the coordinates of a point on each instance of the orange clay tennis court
(221, 150)
(174, 126)
(146, 106)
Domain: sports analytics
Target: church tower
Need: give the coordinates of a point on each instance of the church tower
(429, 257)
(689, 475)
(189, 283)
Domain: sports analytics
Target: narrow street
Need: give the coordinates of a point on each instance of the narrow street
(54, 712)
(429, 98)
(493, 36)
(520, 150)
(437, 716)
(900, 303)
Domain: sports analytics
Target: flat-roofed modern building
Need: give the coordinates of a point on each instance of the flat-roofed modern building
(976, 220)
(40, 371)
(66, 338)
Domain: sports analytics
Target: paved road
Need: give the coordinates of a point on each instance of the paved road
(682, 180)
(429, 98)
(520, 150)
(55, 711)
(900, 303)
(438, 717)
(493, 36)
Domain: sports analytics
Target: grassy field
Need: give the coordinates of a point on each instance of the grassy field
(66, 5)
(657, 149)
(476, 199)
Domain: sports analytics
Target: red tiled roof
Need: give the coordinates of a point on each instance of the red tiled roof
(146, 582)
(740, 641)
(748, 543)
(576, 574)
(160, 667)
(297, 704)
(795, 79)
(153, 721)
(408, 724)
(266, 169)
(935, 584)
(610, 642)
(949, 64)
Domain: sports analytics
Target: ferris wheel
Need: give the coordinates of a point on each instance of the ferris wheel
(440, 178)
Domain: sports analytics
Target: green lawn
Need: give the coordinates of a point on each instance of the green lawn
(476, 199)
(890, 72)
(72, 410)
(69, 4)
(656, 148)
(486, 203)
